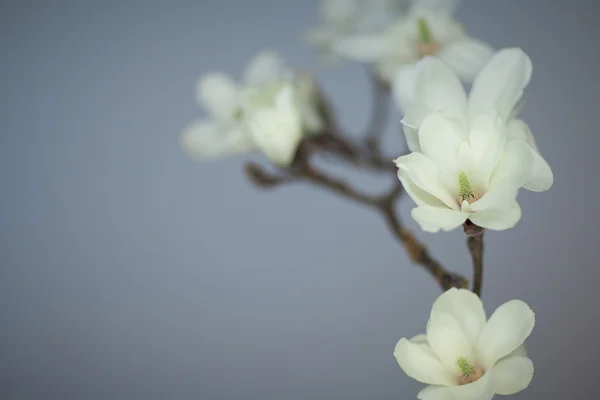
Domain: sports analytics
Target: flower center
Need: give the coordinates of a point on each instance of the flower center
(465, 190)
(469, 372)
(426, 46)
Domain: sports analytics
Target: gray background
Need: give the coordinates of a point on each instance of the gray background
(127, 271)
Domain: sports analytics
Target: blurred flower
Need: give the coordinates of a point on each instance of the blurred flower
(340, 18)
(274, 121)
(227, 129)
(427, 29)
(463, 356)
(470, 157)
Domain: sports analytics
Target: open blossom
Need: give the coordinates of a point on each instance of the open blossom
(339, 18)
(427, 29)
(465, 356)
(470, 156)
(227, 131)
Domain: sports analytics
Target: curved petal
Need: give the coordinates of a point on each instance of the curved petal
(506, 330)
(363, 48)
(448, 341)
(500, 84)
(437, 88)
(520, 351)
(419, 339)
(432, 219)
(411, 135)
(497, 197)
(512, 375)
(541, 178)
(481, 389)
(466, 57)
(403, 86)
(440, 140)
(487, 138)
(418, 362)
(205, 139)
(514, 167)
(435, 393)
(418, 195)
(465, 307)
(265, 67)
(277, 132)
(219, 94)
(497, 219)
(426, 175)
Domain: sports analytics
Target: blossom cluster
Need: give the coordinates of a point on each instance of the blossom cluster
(468, 156)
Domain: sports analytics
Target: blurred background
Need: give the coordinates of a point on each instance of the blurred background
(128, 271)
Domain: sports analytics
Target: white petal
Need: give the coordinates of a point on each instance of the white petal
(277, 133)
(512, 375)
(403, 86)
(497, 219)
(465, 307)
(541, 178)
(481, 389)
(367, 48)
(520, 351)
(440, 140)
(500, 84)
(219, 94)
(418, 362)
(437, 88)
(466, 57)
(411, 136)
(497, 197)
(432, 219)
(419, 339)
(205, 139)
(487, 139)
(418, 195)
(435, 393)
(426, 175)
(448, 341)
(514, 167)
(506, 330)
(265, 67)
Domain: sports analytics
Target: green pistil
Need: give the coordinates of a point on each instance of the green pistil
(425, 35)
(465, 190)
(466, 368)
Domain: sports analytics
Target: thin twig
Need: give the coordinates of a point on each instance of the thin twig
(475, 245)
(386, 206)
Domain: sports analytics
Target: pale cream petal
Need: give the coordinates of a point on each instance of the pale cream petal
(481, 389)
(432, 219)
(267, 66)
(511, 375)
(446, 338)
(466, 57)
(506, 330)
(465, 307)
(219, 94)
(206, 140)
(497, 219)
(500, 84)
(420, 364)
(433, 392)
(440, 140)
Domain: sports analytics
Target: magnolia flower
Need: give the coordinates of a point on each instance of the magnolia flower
(427, 29)
(463, 356)
(227, 131)
(340, 18)
(470, 156)
(271, 113)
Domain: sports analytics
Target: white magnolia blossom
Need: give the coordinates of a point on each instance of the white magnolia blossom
(427, 29)
(234, 116)
(470, 156)
(463, 356)
(340, 18)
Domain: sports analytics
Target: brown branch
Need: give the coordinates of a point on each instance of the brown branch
(386, 206)
(475, 245)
